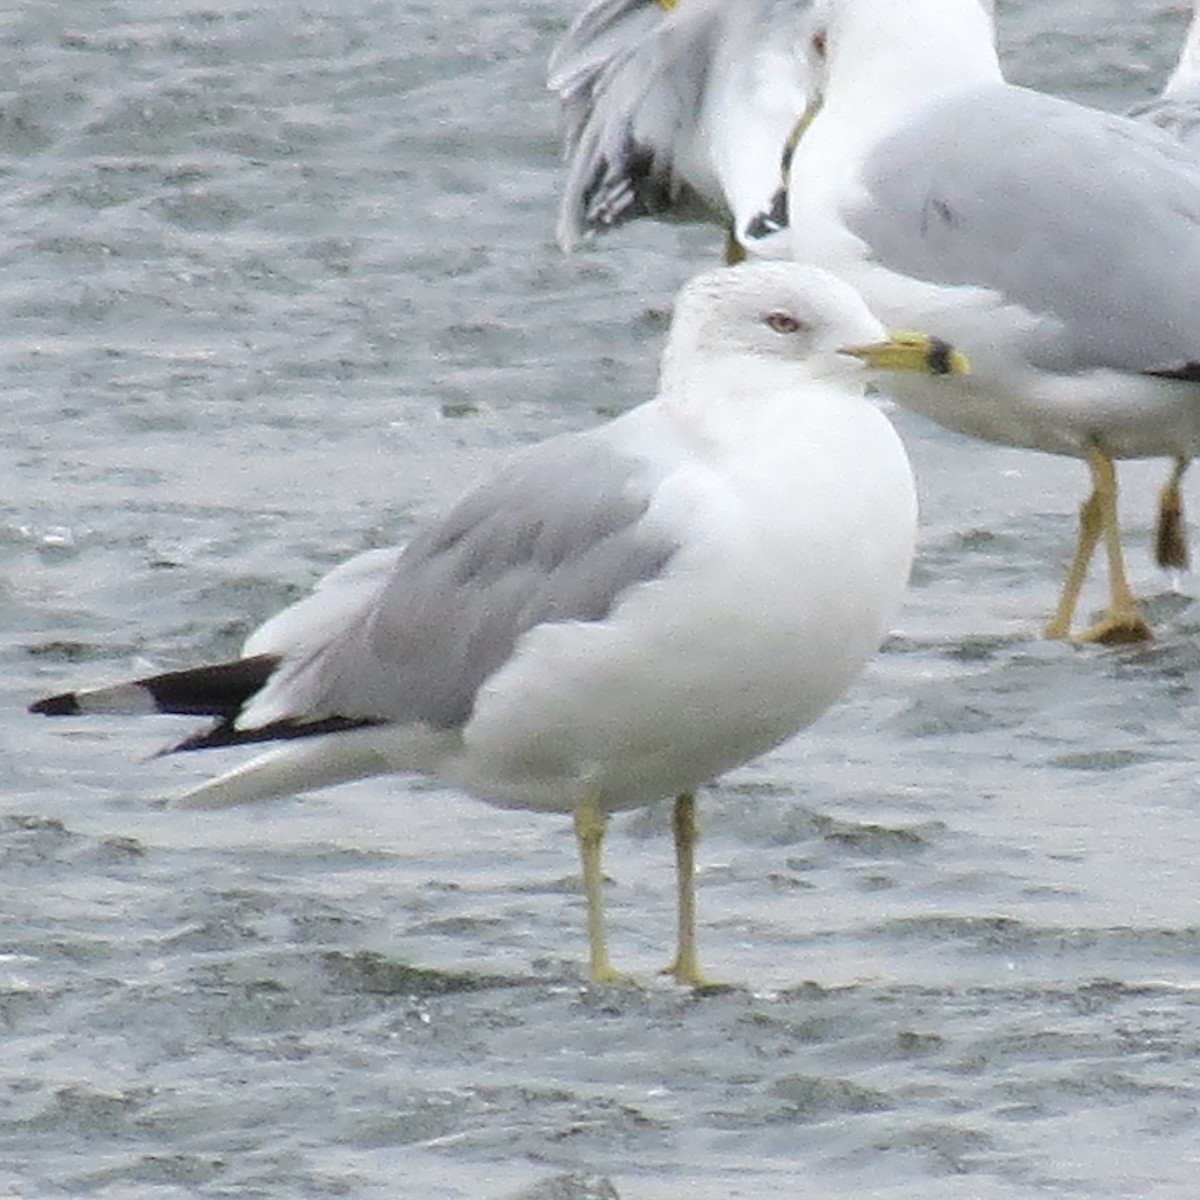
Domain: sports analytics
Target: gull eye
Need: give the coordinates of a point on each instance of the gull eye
(818, 43)
(783, 322)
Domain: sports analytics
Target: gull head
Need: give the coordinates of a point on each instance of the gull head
(771, 323)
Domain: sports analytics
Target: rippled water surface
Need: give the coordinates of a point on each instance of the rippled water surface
(276, 280)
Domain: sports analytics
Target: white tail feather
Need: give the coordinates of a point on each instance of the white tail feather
(302, 766)
(290, 769)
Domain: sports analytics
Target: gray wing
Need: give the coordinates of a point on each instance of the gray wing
(631, 77)
(1090, 218)
(555, 536)
(339, 599)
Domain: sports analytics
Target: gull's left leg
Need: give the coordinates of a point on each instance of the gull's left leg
(686, 967)
(590, 824)
(1170, 538)
(1122, 621)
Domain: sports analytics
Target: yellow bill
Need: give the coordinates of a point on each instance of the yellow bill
(907, 351)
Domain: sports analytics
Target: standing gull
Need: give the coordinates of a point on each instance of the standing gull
(614, 617)
(1058, 246)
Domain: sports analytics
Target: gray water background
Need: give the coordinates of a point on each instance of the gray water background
(277, 279)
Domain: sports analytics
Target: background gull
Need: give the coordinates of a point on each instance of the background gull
(614, 617)
(996, 217)
(1058, 244)
(680, 111)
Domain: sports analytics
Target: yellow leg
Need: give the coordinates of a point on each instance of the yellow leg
(1170, 539)
(1090, 525)
(590, 824)
(685, 967)
(1122, 621)
(735, 252)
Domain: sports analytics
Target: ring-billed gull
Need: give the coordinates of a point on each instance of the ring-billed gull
(1057, 245)
(616, 616)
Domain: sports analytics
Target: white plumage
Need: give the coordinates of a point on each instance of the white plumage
(1056, 245)
(613, 617)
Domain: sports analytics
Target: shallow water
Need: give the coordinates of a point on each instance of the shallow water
(274, 284)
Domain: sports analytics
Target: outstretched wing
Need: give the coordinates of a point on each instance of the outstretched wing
(678, 112)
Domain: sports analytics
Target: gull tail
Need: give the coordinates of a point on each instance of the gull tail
(300, 766)
(315, 753)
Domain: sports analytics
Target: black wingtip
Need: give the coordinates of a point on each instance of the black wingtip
(1188, 372)
(224, 733)
(65, 704)
(217, 690)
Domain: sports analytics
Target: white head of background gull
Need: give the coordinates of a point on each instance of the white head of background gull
(613, 617)
(1057, 245)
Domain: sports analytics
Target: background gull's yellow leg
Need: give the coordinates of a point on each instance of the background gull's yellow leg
(1170, 537)
(1122, 621)
(1090, 522)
